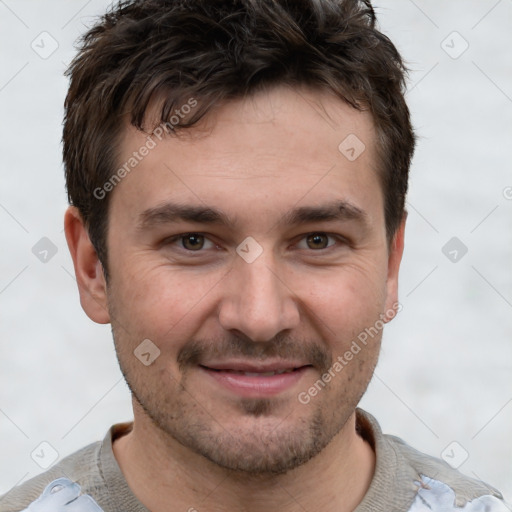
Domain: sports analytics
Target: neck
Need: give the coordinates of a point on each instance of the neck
(335, 480)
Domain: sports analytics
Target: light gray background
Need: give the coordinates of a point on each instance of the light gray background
(445, 370)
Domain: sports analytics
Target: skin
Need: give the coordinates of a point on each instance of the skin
(200, 444)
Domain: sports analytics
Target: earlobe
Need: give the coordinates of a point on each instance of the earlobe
(88, 268)
(394, 259)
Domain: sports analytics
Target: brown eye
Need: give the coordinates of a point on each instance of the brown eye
(186, 243)
(193, 241)
(317, 241)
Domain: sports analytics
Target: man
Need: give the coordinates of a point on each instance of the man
(237, 173)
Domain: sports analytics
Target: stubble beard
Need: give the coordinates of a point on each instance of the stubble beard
(261, 441)
(268, 447)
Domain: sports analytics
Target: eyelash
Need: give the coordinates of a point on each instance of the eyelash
(176, 238)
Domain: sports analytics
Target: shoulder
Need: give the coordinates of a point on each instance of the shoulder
(441, 487)
(406, 479)
(70, 480)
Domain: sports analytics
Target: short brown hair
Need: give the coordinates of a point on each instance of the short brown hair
(216, 51)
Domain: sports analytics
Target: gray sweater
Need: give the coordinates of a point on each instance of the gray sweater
(405, 479)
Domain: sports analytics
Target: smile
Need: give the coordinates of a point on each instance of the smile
(256, 382)
(257, 374)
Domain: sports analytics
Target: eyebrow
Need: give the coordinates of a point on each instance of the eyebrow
(169, 213)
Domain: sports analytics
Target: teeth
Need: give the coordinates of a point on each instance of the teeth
(267, 374)
(259, 374)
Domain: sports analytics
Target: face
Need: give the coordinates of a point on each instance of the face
(252, 253)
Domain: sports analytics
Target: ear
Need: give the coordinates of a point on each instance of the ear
(88, 268)
(394, 259)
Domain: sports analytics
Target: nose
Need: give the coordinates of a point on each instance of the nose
(257, 300)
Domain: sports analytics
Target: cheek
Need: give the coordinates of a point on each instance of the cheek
(345, 302)
(347, 290)
(159, 299)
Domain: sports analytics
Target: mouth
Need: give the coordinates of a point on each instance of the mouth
(254, 374)
(250, 380)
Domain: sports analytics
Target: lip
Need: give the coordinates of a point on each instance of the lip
(231, 377)
(244, 366)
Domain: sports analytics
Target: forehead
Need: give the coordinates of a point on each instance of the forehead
(274, 149)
